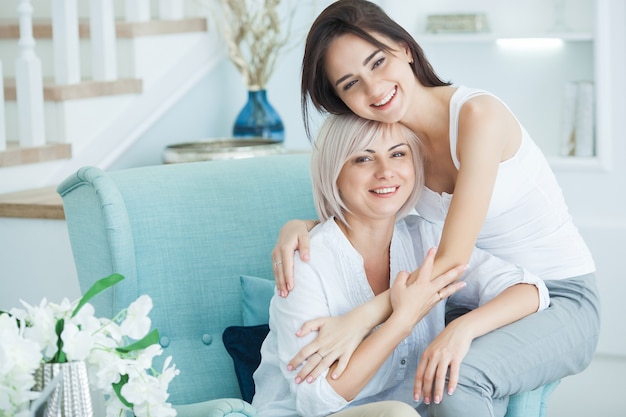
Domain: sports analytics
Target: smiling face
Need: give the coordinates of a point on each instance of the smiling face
(375, 182)
(375, 84)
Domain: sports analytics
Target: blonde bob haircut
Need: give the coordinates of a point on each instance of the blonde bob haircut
(340, 137)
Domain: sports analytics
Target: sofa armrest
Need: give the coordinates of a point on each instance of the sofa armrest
(222, 407)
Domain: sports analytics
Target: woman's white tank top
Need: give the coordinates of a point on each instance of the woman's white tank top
(528, 222)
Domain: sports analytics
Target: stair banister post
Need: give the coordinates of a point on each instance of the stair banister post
(171, 9)
(137, 10)
(28, 82)
(65, 42)
(3, 125)
(102, 32)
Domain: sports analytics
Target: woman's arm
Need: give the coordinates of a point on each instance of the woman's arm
(451, 346)
(497, 293)
(410, 303)
(371, 354)
(339, 337)
(488, 134)
(293, 236)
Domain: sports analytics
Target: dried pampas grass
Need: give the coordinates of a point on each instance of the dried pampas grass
(254, 34)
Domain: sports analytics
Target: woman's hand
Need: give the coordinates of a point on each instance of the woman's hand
(450, 347)
(294, 235)
(445, 352)
(337, 339)
(414, 295)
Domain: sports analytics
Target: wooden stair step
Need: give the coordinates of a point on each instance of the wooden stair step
(42, 28)
(41, 203)
(15, 155)
(84, 89)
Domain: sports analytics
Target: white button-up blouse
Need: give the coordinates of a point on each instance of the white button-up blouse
(332, 283)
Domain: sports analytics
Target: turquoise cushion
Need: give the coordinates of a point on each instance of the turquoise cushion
(256, 294)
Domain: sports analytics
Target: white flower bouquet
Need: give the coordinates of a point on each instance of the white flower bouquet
(118, 353)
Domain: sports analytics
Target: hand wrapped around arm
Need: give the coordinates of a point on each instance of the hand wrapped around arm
(338, 337)
(293, 236)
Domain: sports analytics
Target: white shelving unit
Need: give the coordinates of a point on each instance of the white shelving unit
(428, 38)
(532, 81)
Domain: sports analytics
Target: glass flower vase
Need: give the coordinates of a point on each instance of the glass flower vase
(259, 119)
(71, 396)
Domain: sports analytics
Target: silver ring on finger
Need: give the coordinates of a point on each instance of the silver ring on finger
(277, 263)
(321, 356)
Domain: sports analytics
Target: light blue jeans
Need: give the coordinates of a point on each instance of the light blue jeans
(541, 348)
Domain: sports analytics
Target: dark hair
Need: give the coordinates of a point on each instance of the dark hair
(360, 18)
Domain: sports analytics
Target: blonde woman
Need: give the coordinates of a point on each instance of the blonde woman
(367, 178)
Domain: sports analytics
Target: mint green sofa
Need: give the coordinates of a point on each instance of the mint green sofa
(184, 234)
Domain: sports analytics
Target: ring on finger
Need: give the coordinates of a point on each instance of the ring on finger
(321, 356)
(440, 296)
(276, 263)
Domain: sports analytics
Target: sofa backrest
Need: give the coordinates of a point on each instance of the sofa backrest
(183, 234)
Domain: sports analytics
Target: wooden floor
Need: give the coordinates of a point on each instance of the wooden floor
(42, 203)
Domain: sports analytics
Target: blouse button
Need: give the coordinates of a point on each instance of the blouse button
(164, 341)
(207, 339)
(403, 362)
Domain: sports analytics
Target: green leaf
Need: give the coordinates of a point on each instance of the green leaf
(59, 357)
(148, 340)
(96, 289)
(117, 387)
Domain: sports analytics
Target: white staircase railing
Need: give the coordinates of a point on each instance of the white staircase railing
(102, 33)
(28, 72)
(28, 82)
(65, 40)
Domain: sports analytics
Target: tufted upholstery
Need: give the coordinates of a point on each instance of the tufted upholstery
(184, 233)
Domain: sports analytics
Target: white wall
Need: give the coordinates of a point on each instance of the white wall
(596, 392)
(35, 262)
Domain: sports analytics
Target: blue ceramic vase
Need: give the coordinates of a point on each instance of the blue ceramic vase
(258, 119)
